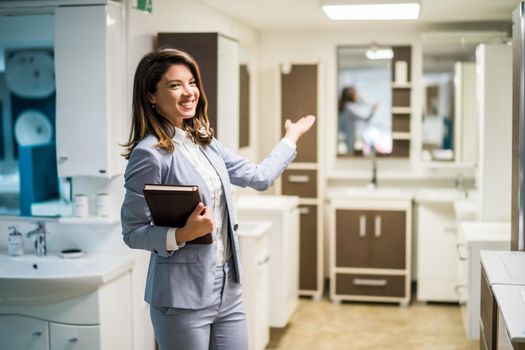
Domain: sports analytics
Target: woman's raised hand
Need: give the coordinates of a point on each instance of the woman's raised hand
(295, 130)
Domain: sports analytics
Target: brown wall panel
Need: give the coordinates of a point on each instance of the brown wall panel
(402, 53)
(401, 97)
(401, 149)
(204, 48)
(244, 106)
(308, 248)
(400, 123)
(298, 99)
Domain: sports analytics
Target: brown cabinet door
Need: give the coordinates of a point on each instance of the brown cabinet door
(302, 183)
(308, 248)
(488, 313)
(299, 98)
(352, 232)
(388, 239)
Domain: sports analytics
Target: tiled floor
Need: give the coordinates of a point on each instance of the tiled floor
(323, 325)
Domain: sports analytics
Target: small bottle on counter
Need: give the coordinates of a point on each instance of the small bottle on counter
(15, 242)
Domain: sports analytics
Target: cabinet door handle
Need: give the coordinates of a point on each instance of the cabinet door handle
(304, 210)
(37, 334)
(362, 226)
(369, 282)
(264, 260)
(458, 248)
(73, 340)
(62, 159)
(377, 226)
(299, 178)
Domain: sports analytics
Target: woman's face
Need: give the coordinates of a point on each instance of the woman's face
(177, 95)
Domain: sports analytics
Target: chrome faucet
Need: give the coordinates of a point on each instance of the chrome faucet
(41, 240)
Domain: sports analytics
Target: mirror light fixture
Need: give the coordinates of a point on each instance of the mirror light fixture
(359, 10)
(376, 53)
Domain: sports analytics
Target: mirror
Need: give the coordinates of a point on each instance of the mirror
(449, 116)
(29, 183)
(364, 100)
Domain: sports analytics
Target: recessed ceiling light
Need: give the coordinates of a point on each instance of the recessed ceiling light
(360, 10)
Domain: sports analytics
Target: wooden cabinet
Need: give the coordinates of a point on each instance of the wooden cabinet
(299, 97)
(370, 250)
(488, 315)
(90, 88)
(218, 59)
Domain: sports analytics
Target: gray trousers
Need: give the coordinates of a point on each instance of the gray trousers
(222, 325)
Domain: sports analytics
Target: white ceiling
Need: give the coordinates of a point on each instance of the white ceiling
(272, 14)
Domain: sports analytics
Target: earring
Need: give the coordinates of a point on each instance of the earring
(153, 106)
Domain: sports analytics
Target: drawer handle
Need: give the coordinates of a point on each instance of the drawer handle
(263, 261)
(377, 226)
(458, 248)
(362, 226)
(299, 178)
(37, 334)
(62, 159)
(304, 210)
(369, 282)
(73, 340)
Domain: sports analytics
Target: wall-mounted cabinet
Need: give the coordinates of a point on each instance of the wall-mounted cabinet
(90, 87)
(370, 250)
(218, 59)
(299, 97)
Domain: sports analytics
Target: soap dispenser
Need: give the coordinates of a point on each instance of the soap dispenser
(15, 242)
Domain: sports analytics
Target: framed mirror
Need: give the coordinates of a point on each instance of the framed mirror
(449, 117)
(29, 182)
(364, 121)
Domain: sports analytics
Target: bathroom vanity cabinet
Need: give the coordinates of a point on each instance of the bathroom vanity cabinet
(300, 88)
(90, 89)
(370, 250)
(100, 320)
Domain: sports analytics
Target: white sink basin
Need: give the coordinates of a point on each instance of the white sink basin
(32, 279)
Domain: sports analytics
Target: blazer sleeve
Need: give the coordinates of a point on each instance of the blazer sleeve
(260, 176)
(139, 233)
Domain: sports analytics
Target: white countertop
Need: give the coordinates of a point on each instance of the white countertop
(266, 202)
(504, 267)
(511, 301)
(485, 231)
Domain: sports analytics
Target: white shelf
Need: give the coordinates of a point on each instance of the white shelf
(401, 110)
(95, 220)
(401, 85)
(401, 136)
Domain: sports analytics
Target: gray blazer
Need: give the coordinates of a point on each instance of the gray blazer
(184, 278)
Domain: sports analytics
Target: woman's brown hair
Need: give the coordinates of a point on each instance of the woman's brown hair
(145, 118)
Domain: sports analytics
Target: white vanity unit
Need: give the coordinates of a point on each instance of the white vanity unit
(255, 257)
(370, 245)
(283, 213)
(474, 237)
(437, 242)
(511, 316)
(49, 303)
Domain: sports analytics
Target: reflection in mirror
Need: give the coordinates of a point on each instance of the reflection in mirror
(449, 122)
(365, 100)
(29, 183)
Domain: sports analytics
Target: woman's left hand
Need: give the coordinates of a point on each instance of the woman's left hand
(295, 130)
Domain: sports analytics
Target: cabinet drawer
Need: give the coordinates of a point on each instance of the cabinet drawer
(302, 183)
(23, 332)
(370, 285)
(308, 248)
(74, 337)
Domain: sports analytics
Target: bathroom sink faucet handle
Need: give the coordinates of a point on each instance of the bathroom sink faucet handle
(41, 239)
